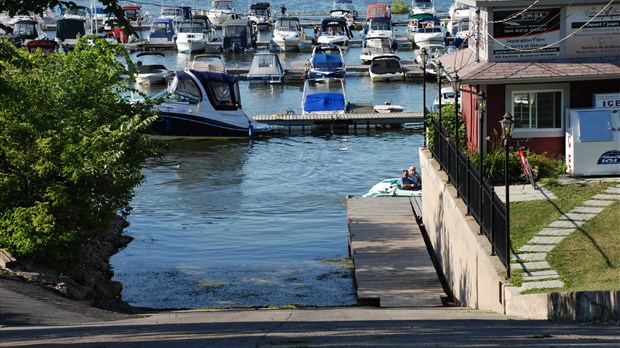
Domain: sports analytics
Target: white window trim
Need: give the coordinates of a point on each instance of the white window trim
(547, 87)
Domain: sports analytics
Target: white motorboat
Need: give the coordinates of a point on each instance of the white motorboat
(430, 32)
(376, 46)
(266, 68)
(191, 37)
(334, 31)
(324, 96)
(386, 68)
(344, 9)
(447, 97)
(150, 69)
(379, 26)
(286, 35)
(208, 62)
(261, 15)
(205, 104)
(423, 6)
(391, 188)
(220, 11)
(176, 13)
(461, 33)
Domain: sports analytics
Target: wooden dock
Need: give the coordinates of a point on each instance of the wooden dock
(392, 264)
(355, 119)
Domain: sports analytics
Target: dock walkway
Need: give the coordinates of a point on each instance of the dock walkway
(392, 264)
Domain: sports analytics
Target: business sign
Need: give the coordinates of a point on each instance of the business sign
(609, 157)
(526, 34)
(593, 30)
(607, 100)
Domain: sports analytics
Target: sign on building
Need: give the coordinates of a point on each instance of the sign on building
(593, 30)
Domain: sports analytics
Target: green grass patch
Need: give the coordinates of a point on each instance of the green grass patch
(588, 259)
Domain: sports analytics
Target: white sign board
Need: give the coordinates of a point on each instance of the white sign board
(593, 30)
(607, 100)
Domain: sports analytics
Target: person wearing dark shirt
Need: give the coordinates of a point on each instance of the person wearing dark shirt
(283, 9)
(405, 182)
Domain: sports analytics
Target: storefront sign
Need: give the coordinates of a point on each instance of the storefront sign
(607, 100)
(526, 34)
(593, 30)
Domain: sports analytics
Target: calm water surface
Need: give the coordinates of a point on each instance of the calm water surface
(228, 223)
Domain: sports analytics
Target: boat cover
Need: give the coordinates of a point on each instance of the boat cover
(324, 102)
(386, 66)
(329, 61)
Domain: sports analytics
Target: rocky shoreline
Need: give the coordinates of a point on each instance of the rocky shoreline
(94, 285)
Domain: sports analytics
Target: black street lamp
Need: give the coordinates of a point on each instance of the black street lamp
(424, 55)
(507, 128)
(456, 86)
(482, 103)
(439, 72)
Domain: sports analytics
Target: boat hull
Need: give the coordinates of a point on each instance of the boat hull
(191, 45)
(285, 45)
(317, 74)
(389, 188)
(184, 125)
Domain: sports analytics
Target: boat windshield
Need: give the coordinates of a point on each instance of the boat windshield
(24, 29)
(285, 24)
(184, 90)
(235, 30)
(374, 25)
(173, 12)
(222, 5)
(190, 28)
(261, 11)
(160, 27)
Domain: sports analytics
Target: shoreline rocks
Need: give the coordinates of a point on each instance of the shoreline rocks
(94, 285)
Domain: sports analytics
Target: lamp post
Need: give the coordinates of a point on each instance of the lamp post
(424, 58)
(507, 124)
(482, 103)
(439, 72)
(456, 86)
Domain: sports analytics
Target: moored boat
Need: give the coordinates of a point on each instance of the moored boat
(205, 104)
(149, 71)
(191, 37)
(326, 61)
(286, 34)
(386, 68)
(162, 31)
(69, 31)
(266, 68)
(238, 36)
(220, 11)
(391, 188)
(334, 31)
(376, 46)
(261, 15)
(324, 96)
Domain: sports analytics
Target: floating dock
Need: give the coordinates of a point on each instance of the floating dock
(392, 264)
(358, 118)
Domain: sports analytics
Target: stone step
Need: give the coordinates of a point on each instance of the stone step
(530, 257)
(529, 266)
(527, 248)
(559, 232)
(543, 284)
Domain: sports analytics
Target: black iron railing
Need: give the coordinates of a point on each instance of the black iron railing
(480, 197)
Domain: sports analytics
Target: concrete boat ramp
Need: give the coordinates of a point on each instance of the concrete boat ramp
(392, 264)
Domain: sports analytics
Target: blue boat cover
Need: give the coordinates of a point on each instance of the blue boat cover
(329, 61)
(324, 102)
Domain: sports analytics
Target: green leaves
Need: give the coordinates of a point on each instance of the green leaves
(71, 148)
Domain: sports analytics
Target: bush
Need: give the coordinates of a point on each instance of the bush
(399, 7)
(71, 148)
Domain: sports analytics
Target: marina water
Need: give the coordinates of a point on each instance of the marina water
(258, 222)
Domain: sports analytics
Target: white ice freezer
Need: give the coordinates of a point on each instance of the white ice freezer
(593, 142)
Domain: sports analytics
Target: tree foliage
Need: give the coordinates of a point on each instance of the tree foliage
(398, 7)
(71, 147)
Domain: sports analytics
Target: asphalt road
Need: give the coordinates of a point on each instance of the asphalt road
(31, 316)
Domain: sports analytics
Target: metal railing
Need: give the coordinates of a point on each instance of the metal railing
(480, 198)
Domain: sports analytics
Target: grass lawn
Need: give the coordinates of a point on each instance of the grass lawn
(588, 259)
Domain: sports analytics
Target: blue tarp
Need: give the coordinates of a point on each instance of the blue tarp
(327, 61)
(324, 102)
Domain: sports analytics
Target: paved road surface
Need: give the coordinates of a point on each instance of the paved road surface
(36, 317)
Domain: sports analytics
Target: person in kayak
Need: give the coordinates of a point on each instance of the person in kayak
(405, 182)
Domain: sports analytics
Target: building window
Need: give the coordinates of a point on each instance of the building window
(537, 109)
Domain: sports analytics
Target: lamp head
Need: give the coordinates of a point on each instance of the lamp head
(439, 70)
(507, 125)
(482, 101)
(456, 83)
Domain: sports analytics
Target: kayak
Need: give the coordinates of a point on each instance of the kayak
(390, 188)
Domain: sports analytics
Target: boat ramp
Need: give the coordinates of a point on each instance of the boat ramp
(391, 260)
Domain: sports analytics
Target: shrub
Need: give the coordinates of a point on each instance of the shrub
(399, 7)
(71, 148)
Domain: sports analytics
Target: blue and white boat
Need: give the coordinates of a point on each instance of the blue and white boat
(205, 104)
(324, 96)
(326, 61)
(162, 31)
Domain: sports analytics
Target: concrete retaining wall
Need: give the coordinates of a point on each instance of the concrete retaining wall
(477, 279)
